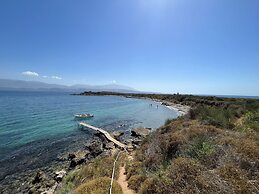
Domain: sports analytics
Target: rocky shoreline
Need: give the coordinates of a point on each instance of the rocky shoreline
(100, 147)
(47, 179)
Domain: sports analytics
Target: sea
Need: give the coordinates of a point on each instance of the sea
(35, 127)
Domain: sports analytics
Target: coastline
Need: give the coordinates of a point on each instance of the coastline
(179, 108)
(47, 164)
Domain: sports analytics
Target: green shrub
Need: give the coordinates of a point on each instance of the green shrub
(135, 182)
(133, 168)
(251, 120)
(200, 148)
(68, 182)
(216, 116)
(66, 188)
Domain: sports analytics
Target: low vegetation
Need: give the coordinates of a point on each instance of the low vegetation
(187, 156)
(92, 178)
(213, 149)
(98, 186)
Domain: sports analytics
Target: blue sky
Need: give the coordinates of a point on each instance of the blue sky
(186, 46)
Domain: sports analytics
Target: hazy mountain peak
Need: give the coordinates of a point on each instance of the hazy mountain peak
(8, 84)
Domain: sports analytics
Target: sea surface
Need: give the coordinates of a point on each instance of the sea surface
(40, 125)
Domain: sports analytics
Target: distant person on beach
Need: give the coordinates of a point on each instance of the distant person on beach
(156, 106)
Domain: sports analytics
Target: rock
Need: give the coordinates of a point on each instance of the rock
(77, 161)
(31, 191)
(40, 176)
(101, 137)
(71, 156)
(59, 175)
(73, 163)
(136, 141)
(117, 134)
(122, 125)
(78, 157)
(95, 148)
(140, 132)
(87, 153)
(109, 146)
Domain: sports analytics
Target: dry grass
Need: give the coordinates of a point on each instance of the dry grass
(187, 156)
(89, 178)
(98, 186)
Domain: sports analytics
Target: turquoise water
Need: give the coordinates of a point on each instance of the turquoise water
(27, 117)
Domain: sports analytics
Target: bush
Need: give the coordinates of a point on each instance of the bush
(251, 120)
(133, 168)
(98, 168)
(68, 182)
(216, 116)
(200, 148)
(237, 178)
(135, 182)
(183, 171)
(98, 186)
(156, 185)
(66, 188)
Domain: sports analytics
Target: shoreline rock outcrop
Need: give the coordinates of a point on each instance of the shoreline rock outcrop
(140, 132)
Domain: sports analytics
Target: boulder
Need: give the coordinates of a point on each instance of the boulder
(117, 134)
(40, 176)
(78, 157)
(71, 156)
(109, 146)
(140, 132)
(136, 141)
(95, 148)
(76, 161)
(59, 175)
(101, 137)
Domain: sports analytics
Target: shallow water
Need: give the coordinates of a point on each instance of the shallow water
(27, 118)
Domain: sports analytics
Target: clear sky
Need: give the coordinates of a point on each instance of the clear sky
(186, 46)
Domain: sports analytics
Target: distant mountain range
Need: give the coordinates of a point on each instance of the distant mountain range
(21, 85)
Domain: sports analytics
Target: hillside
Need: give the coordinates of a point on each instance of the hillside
(212, 149)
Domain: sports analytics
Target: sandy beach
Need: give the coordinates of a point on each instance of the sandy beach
(179, 108)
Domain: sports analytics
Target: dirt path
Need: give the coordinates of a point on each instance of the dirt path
(123, 182)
